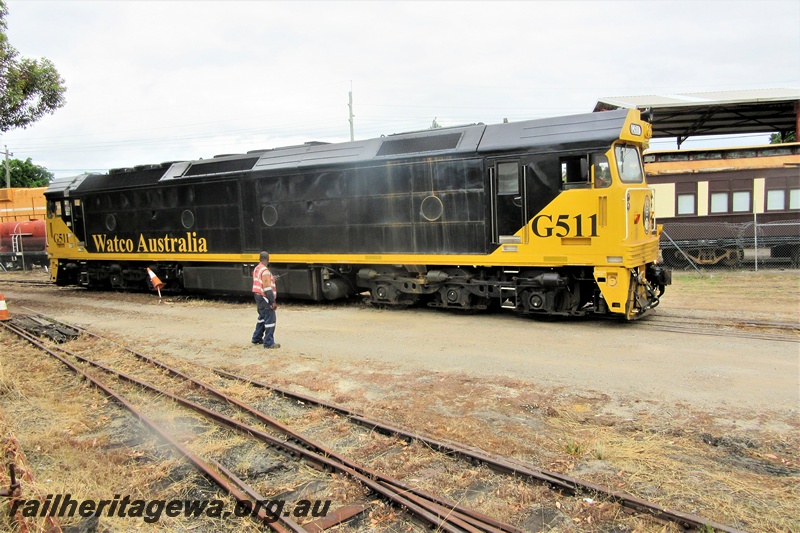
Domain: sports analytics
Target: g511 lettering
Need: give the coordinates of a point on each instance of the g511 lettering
(564, 226)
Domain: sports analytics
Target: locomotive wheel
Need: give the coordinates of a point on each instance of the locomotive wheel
(536, 301)
(382, 293)
(453, 295)
(387, 297)
(460, 299)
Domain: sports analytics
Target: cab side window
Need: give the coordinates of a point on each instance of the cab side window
(53, 208)
(574, 172)
(601, 170)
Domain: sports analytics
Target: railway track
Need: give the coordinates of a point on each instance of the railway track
(279, 442)
(132, 372)
(36, 282)
(723, 327)
(661, 320)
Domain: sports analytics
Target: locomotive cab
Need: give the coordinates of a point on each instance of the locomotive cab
(628, 281)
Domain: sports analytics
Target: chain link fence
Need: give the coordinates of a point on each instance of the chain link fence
(721, 245)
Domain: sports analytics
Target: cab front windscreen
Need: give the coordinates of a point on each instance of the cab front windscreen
(629, 164)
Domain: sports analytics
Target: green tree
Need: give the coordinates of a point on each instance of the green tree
(26, 174)
(29, 88)
(777, 138)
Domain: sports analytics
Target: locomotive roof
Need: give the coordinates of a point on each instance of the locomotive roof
(569, 132)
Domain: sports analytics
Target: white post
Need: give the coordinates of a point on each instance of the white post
(755, 234)
(8, 172)
(350, 105)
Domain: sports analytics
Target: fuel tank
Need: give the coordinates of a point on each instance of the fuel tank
(31, 234)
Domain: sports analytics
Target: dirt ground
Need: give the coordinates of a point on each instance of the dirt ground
(578, 396)
(621, 360)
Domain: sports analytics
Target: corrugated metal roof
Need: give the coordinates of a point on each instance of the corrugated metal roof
(715, 113)
(699, 99)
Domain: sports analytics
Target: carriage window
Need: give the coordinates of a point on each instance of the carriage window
(741, 201)
(507, 178)
(794, 199)
(686, 204)
(719, 202)
(776, 200)
(629, 165)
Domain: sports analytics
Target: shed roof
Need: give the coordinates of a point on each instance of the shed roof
(715, 113)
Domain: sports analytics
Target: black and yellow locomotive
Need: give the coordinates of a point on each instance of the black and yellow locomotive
(549, 216)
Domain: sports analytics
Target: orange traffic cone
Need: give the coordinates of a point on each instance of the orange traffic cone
(157, 283)
(3, 309)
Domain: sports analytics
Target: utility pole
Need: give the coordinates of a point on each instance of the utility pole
(350, 105)
(8, 172)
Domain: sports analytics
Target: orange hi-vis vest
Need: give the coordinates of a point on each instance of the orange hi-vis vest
(258, 280)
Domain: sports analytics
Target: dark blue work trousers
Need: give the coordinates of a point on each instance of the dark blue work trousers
(265, 327)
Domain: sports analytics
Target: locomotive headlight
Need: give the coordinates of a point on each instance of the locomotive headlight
(647, 214)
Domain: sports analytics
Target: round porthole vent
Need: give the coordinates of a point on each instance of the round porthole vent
(431, 208)
(187, 219)
(269, 215)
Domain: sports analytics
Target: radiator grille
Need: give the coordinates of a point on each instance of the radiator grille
(219, 167)
(414, 145)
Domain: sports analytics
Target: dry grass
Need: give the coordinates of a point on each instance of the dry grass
(768, 295)
(79, 443)
(669, 455)
(685, 473)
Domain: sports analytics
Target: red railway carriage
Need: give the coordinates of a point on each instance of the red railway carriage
(23, 241)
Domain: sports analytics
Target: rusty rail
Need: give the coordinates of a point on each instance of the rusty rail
(238, 492)
(555, 480)
(739, 328)
(13, 484)
(442, 514)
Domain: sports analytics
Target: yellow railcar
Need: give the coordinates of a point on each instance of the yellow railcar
(21, 205)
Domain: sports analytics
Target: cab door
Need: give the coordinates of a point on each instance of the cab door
(78, 227)
(508, 210)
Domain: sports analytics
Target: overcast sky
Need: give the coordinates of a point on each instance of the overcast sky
(155, 81)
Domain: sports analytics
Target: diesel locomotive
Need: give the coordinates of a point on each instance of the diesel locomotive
(543, 217)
